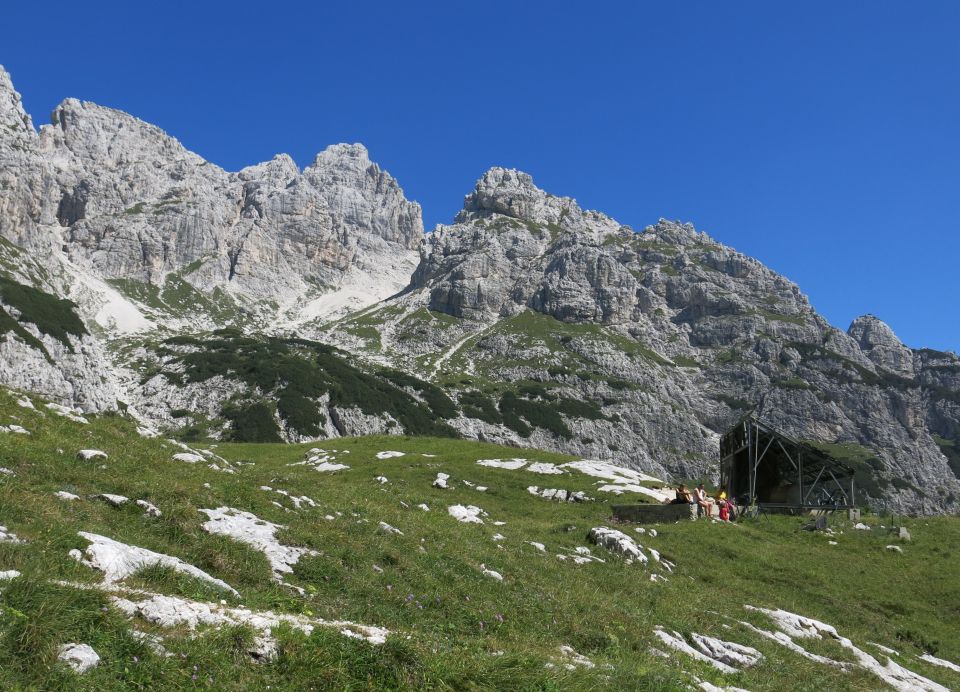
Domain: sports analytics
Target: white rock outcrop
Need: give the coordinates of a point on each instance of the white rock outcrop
(617, 542)
(511, 464)
(468, 514)
(675, 641)
(496, 576)
(118, 561)
(389, 455)
(172, 612)
(91, 454)
(261, 535)
(115, 500)
(80, 657)
(792, 626)
(386, 528)
(66, 412)
(7, 536)
(149, 509)
(558, 494)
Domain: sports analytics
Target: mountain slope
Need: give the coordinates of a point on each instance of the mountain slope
(291, 567)
(670, 335)
(528, 321)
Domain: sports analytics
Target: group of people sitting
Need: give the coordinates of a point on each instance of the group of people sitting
(705, 503)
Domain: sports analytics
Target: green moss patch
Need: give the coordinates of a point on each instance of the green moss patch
(55, 317)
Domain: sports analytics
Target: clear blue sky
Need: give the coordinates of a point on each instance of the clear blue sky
(822, 138)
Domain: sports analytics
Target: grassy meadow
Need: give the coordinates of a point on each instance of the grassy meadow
(450, 625)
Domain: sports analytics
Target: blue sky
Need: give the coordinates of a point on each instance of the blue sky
(820, 137)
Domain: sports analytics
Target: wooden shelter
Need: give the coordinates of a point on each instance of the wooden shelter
(760, 465)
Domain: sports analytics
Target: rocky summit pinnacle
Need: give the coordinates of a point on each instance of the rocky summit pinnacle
(12, 115)
(362, 195)
(512, 193)
(881, 345)
(136, 274)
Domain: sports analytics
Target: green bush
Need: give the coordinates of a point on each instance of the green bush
(476, 405)
(575, 408)
(438, 401)
(519, 414)
(299, 412)
(253, 423)
(55, 317)
(296, 371)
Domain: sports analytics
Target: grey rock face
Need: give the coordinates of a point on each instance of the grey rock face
(511, 193)
(674, 336)
(72, 378)
(362, 196)
(144, 234)
(881, 345)
(27, 186)
(126, 201)
(137, 205)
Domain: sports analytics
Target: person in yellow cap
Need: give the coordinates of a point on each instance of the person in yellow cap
(725, 507)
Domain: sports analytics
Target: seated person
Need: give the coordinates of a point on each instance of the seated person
(683, 496)
(704, 504)
(725, 507)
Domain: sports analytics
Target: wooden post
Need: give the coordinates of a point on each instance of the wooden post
(800, 472)
(749, 463)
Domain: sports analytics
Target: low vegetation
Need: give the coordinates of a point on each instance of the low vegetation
(55, 317)
(297, 374)
(450, 625)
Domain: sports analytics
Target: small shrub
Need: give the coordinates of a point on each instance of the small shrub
(55, 317)
(253, 423)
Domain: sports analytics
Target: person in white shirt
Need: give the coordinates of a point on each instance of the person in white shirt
(704, 503)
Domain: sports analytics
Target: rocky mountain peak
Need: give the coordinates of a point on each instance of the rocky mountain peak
(361, 194)
(344, 152)
(122, 199)
(12, 116)
(346, 164)
(881, 345)
(99, 136)
(512, 193)
(674, 233)
(280, 170)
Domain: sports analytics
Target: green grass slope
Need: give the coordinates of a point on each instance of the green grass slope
(450, 625)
